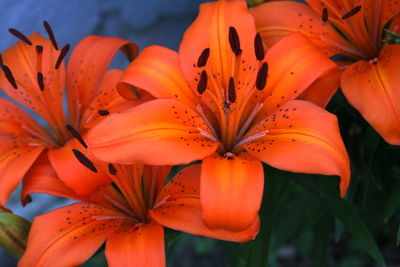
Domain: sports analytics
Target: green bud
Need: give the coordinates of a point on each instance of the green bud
(392, 38)
(13, 233)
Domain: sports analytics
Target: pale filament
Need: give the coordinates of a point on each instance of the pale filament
(250, 138)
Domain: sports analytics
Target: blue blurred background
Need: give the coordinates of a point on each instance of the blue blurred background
(147, 22)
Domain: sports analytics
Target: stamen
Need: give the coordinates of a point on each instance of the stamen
(50, 33)
(60, 58)
(206, 134)
(258, 47)
(39, 54)
(84, 160)
(111, 169)
(202, 85)
(9, 76)
(201, 112)
(20, 36)
(76, 135)
(262, 76)
(103, 112)
(40, 81)
(251, 138)
(324, 14)
(39, 49)
(202, 61)
(248, 122)
(352, 12)
(1, 61)
(234, 41)
(231, 91)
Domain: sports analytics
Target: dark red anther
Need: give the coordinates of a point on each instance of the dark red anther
(20, 36)
(259, 47)
(202, 85)
(9, 76)
(50, 33)
(76, 135)
(324, 14)
(352, 12)
(1, 61)
(84, 160)
(202, 61)
(62, 55)
(40, 81)
(111, 169)
(39, 49)
(103, 112)
(231, 91)
(234, 41)
(262, 75)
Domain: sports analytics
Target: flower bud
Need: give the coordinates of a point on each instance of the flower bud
(13, 233)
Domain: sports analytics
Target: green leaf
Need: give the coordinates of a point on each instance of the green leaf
(398, 237)
(393, 202)
(346, 214)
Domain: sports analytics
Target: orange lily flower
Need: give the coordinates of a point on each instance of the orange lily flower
(34, 75)
(226, 102)
(354, 29)
(129, 217)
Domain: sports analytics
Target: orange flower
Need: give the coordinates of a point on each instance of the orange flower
(129, 215)
(34, 76)
(226, 102)
(354, 29)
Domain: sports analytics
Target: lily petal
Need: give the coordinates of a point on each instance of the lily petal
(41, 178)
(373, 90)
(141, 246)
(159, 132)
(157, 71)
(108, 101)
(178, 207)
(16, 157)
(291, 75)
(23, 61)
(87, 65)
(231, 191)
(277, 19)
(211, 30)
(72, 173)
(302, 137)
(74, 228)
(16, 123)
(322, 90)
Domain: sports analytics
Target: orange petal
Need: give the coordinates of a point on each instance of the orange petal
(16, 123)
(290, 75)
(88, 63)
(373, 90)
(72, 173)
(159, 132)
(16, 158)
(277, 19)
(24, 63)
(211, 30)
(76, 229)
(302, 137)
(141, 246)
(178, 207)
(108, 100)
(42, 178)
(322, 90)
(390, 9)
(231, 191)
(157, 71)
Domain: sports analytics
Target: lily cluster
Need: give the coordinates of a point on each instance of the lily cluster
(246, 87)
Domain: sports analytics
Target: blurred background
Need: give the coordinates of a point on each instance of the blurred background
(304, 221)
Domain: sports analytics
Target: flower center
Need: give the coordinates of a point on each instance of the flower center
(229, 103)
